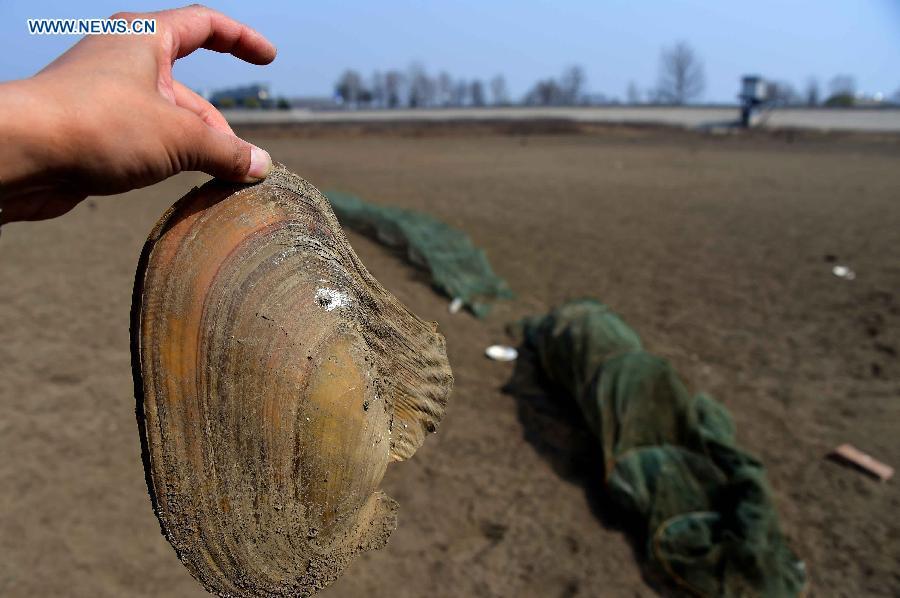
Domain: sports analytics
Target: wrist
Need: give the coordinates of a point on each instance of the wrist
(31, 152)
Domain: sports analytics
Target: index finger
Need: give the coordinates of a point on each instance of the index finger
(194, 27)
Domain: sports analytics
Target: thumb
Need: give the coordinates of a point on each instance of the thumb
(225, 156)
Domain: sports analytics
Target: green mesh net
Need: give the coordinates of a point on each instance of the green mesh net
(457, 268)
(670, 458)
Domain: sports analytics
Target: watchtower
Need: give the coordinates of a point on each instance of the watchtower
(754, 92)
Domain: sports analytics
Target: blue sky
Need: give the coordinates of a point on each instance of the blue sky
(616, 41)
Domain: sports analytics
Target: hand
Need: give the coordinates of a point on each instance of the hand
(107, 117)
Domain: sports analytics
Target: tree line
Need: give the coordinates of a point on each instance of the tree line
(681, 80)
(417, 88)
(839, 92)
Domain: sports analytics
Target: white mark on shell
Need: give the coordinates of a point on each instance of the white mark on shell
(331, 298)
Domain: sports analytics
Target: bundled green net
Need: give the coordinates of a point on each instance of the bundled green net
(670, 458)
(457, 268)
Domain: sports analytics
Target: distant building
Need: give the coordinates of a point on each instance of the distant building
(754, 89)
(754, 93)
(250, 96)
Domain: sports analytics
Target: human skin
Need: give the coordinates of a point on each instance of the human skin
(107, 117)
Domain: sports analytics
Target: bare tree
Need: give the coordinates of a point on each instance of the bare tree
(379, 90)
(812, 92)
(444, 89)
(393, 87)
(460, 93)
(572, 84)
(349, 87)
(681, 77)
(421, 87)
(633, 94)
(842, 85)
(498, 90)
(843, 92)
(782, 93)
(545, 93)
(477, 91)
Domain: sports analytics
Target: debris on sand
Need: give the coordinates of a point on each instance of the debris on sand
(847, 453)
(843, 272)
(501, 353)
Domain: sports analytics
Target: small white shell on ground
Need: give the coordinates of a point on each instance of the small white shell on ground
(843, 272)
(455, 305)
(501, 353)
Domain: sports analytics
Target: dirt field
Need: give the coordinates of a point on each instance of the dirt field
(715, 249)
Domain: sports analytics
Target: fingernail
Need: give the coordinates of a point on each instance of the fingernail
(260, 164)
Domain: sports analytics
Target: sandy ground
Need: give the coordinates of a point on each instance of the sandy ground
(715, 249)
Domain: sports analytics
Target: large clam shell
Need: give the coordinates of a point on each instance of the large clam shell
(275, 380)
